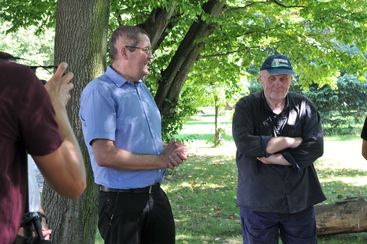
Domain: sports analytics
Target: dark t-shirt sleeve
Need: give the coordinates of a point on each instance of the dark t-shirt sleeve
(37, 120)
(364, 130)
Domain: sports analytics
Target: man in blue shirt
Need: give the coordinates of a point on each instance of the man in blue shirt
(122, 130)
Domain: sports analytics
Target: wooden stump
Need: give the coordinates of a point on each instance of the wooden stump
(347, 216)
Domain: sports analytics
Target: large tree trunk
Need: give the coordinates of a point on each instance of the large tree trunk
(81, 36)
(343, 217)
(173, 77)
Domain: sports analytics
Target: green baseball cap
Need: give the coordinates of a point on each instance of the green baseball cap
(277, 64)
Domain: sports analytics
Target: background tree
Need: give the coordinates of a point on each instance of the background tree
(218, 88)
(80, 40)
(341, 107)
(248, 32)
(37, 51)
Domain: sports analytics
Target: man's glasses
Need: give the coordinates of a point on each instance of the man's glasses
(147, 50)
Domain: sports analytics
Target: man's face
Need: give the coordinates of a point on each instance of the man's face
(140, 58)
(275, 86)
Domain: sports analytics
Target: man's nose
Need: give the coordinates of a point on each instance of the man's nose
(277, 82)
(150, 55)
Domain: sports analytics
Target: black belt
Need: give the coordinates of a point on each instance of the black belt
(148, 189)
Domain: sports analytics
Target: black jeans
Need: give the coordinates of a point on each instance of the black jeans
(265, 228)
(136, 218)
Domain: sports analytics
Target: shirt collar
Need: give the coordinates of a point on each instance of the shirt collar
(117, 78)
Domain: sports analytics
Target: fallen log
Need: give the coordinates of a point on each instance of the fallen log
(347, 216)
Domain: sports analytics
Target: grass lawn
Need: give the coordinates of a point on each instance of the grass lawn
(203, 190)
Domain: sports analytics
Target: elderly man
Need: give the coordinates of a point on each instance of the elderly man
(278, 137)
(122, 130)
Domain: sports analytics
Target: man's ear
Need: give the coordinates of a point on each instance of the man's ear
(123, 52)
(260, 79)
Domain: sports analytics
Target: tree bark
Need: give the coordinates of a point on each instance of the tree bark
(343, 217)
(216, 122)
(81, 41)
(173, 77)
(157, 24)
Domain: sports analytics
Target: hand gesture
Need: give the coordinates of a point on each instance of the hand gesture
(175, 153)
(59, 86)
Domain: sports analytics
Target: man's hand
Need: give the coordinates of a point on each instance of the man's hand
(174, 154)
(274, 159)
(59, 86)
(46, 232)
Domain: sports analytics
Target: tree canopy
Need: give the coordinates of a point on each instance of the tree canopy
(322, 38)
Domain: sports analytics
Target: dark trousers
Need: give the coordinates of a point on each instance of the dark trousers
(136, 218)
(265, 228)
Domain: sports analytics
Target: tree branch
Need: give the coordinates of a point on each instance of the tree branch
(245, 34)
(239, 49)
(286, 6)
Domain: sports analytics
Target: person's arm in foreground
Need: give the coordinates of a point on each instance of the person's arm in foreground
(64, 168)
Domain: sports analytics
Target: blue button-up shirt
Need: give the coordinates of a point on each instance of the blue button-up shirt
(115, 109)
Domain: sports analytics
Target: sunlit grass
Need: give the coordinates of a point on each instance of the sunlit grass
(205, 189)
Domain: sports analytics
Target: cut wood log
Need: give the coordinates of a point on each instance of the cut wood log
(347, 216)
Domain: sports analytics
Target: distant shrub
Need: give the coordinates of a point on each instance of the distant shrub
(342, 109)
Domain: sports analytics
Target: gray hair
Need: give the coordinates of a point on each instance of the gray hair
(128, 33)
